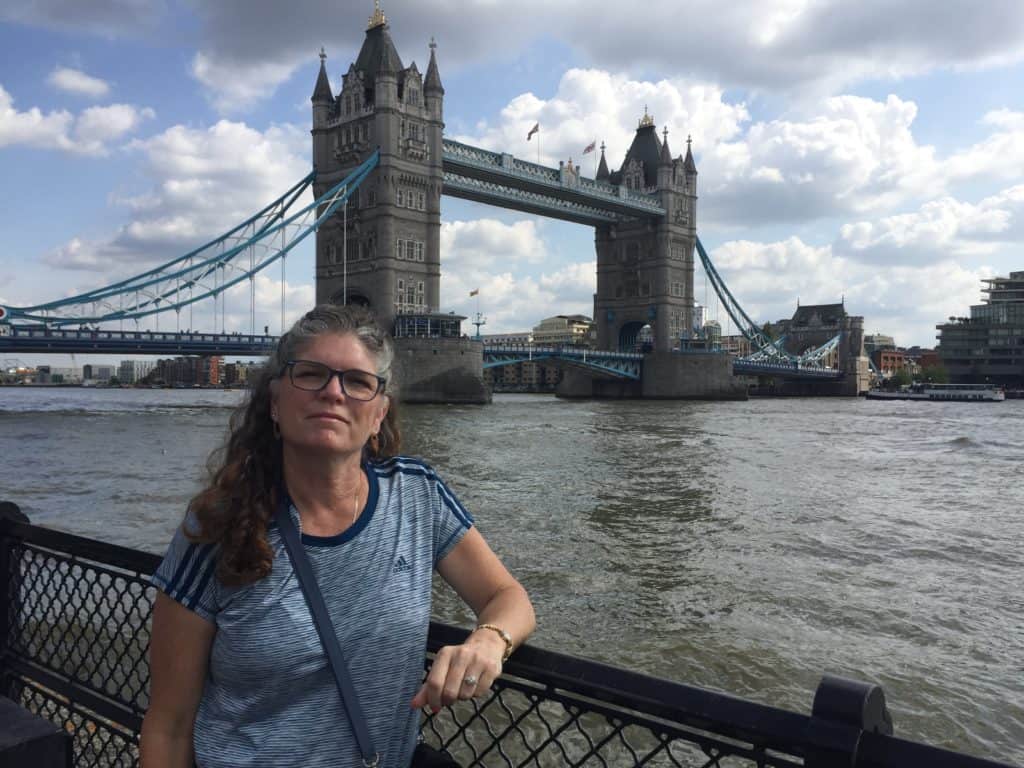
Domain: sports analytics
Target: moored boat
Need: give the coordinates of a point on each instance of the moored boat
(965, 393)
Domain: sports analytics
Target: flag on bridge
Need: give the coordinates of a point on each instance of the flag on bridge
(590, 147)
(536, 127)
(474, 292)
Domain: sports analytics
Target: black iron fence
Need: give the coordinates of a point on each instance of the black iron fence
(74, 635)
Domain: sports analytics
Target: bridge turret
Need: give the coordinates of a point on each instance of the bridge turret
(323, 106)
(432, 88)
(602, 167)
(690, 185)
(645, 268)
(688, 164)
(387, 71)
(665, 163)
(384, 251)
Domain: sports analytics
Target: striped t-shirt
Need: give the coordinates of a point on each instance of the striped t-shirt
(270, 698)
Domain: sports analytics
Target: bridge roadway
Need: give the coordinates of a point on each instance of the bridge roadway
(500, 179)
(785, 370)
(627, 365)
(37, 339)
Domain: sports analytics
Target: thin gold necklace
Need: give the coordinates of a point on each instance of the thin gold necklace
(355, 508)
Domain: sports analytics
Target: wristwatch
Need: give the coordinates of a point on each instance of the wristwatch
(503, 635)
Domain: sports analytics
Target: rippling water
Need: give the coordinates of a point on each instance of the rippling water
(747, 547)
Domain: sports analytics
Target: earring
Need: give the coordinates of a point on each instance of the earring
(375, 442)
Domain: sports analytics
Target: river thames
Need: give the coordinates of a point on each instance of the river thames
(747, 547)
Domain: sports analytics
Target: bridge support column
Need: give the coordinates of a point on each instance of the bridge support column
(440, 370)
(666, 376)
(669, 375)
(580, 384)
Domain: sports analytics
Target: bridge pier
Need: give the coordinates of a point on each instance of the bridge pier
(666, 376)
(440, 370)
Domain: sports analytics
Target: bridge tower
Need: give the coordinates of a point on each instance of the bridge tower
(645, 267)
(390, 259)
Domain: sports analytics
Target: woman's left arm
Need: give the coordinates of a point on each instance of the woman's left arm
(479, 578)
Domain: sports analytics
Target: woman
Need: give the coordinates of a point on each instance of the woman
(239, 676)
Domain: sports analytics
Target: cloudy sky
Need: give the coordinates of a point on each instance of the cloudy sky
(872, 150)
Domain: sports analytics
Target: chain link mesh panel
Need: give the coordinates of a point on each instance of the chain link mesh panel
(74, 641)
(524, 723)
(77, 641)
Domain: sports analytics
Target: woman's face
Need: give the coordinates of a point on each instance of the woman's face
(328, 420)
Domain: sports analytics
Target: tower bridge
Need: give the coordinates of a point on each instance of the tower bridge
(380, 166)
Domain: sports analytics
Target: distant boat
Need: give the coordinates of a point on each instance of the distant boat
(963, 393)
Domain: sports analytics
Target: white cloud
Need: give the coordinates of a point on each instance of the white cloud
(108, 19)
(857, 154)
(850, 154)
(88, 134)
(501, 260)
(98, 126)
(487, 242)
(783, 45)
(907, 301)
(999, 156)
(74, 254)
(939, 229)
(232, 86)
(76, 81)
(33, 128)
(203, 183)
(593, 104)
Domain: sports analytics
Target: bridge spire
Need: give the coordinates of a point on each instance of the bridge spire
(666, 155)
(688, 164)
(433, 79)
(377, 19)
(322, 93)
(602, 168)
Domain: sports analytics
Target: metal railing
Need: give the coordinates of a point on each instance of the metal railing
(74, 637)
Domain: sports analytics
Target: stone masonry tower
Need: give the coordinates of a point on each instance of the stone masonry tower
(390, 259)
(645, 268)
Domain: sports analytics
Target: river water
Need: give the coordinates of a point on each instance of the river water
(747, 547)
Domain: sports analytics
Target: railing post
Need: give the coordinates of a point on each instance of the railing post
(10, 594)
(843, 709)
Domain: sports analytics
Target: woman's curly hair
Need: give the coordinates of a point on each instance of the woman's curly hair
(240, 498)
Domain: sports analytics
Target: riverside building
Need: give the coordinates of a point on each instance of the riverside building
(571, 330)
(988, 346)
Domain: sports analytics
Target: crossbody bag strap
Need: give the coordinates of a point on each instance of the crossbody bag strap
(325, 628)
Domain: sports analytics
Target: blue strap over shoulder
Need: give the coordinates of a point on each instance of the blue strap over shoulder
(325, 628)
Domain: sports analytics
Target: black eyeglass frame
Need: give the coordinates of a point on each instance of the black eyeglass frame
(332, 372)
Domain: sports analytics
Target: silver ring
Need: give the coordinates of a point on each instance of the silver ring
(469, 680)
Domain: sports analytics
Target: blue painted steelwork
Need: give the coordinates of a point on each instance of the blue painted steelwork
(501, 179)
(164, 288)
(504, 196)
(620, 365)
(782, 369)
(38, 339)
(770, 355)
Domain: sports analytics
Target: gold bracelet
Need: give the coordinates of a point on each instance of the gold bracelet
(503, 635)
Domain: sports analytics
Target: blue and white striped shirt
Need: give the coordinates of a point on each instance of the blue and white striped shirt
(270, 698)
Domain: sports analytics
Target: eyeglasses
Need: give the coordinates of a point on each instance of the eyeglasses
(313, 377)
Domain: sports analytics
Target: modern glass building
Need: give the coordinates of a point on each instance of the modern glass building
(988, 346)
